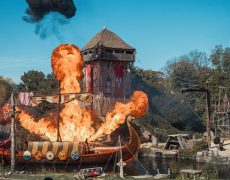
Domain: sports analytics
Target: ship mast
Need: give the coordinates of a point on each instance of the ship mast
(12, 132)
(13, 113)
(59, 108)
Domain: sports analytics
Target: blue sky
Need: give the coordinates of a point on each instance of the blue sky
(158, 29)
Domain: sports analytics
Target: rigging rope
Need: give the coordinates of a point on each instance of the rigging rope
(114, 165)
(138, 161)
(107, 163)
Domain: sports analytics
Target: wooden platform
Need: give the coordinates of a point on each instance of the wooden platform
(190, 173)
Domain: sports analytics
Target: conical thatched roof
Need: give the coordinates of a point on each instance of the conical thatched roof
(108, 39)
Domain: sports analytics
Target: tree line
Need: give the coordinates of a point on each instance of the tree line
(166, 102)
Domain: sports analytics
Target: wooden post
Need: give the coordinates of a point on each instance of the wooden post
(13, 111)
(207, 107)
(59, 108)
(208, 116)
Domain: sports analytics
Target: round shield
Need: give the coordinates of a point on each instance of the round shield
(38, 155)
(75, 155)
(26, 155)
(50, 155)
(62, 155)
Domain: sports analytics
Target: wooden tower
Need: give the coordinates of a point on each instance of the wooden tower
(107, 59)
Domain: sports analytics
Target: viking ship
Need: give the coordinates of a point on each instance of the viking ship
(71, 152)
(74, 152)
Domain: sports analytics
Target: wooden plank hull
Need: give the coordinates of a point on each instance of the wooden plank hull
(129, 151)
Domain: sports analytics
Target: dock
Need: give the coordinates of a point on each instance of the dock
(162, 176)
(149, 151)
(190, 173)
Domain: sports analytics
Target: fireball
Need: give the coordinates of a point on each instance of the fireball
(77, 122)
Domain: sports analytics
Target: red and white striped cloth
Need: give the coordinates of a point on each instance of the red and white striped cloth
(25, 99)
(86, 98)
(88, 77)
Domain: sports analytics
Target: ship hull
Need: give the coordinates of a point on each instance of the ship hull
(129, 151)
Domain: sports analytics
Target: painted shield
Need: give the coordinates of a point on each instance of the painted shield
(38, 155)
(62, 155)
(75, 155)
(50, 155)
(26, 155)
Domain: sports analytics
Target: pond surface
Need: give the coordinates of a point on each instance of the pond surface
(175, 165)
(137, 167)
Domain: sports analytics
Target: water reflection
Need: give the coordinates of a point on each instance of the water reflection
(139, 166)
(175, 165)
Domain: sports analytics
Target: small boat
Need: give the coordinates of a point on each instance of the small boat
(48, 152)
(90, 172)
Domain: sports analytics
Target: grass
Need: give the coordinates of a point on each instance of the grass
(54, 176)
(37, 174)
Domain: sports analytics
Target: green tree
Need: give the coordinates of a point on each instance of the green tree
(187, 70)
(220, 59)
(183, 72)
(6, 88)
(38, 82)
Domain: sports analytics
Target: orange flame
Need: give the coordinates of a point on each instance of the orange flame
(138, 107)
(67, 67)
(76, 122)
(44, 127)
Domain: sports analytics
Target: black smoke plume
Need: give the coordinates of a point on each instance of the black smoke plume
(48, 16)
(39, 8)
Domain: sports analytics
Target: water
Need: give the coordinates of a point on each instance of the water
(138, 167)
(175, 165)
(150, 165)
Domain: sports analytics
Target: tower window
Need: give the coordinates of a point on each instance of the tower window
(129, 52)
(119, 51)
